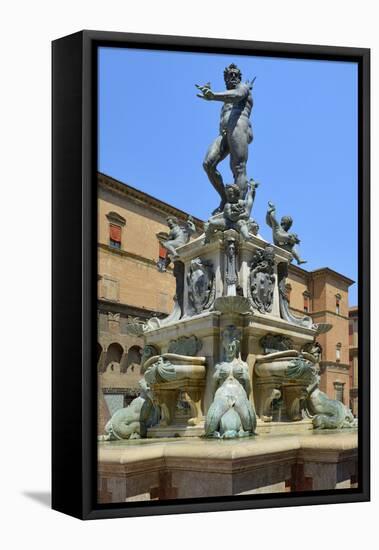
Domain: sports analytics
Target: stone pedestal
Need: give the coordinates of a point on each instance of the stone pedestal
(216, 253)
(220, 272)
(173, 423)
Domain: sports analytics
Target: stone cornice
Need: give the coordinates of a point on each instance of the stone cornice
(114, 217)
(197, 247)
(318, 313)
(309, 275)
(106, 306)
(327, 271)
(327, 312)
(139, 197)
(333, 365)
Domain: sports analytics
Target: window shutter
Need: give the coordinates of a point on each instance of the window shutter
(162, 251)
(115, 233)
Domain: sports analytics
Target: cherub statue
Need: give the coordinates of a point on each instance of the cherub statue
(177, 236)
(280, 234)
(236, 213)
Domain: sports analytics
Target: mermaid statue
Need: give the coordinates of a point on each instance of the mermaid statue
(231, 414)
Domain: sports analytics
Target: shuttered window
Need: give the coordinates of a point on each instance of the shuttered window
(115, 235)
(162, 252)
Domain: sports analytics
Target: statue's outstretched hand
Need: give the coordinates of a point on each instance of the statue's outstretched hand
(253, 184)
(206, 92)
(296, 238)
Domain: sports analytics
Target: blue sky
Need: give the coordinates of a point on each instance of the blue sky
(154, 133)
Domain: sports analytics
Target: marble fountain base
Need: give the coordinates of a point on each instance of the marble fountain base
(174, 468)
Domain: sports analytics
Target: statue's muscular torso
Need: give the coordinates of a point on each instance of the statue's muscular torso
(237, 114)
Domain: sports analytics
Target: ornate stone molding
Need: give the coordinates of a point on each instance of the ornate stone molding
(276, 342)
(114, 217)
(201, 286)
(139, 197)
(261, 282)
(185, 345)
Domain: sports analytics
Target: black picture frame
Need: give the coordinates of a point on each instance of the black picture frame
(74, 151)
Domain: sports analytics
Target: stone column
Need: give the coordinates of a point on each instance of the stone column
(101, 362)
(123, 361)
(244, 271)
(253, 349)
(275, 299)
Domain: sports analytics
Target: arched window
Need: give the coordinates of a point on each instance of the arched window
(114, 354)
(99, 351)
(133, 359)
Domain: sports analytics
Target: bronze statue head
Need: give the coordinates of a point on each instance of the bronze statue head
(172, 221)
(232, 350)
(231, 342)
(232, 192)
(269, 253)
(232, 76)
(286, 222)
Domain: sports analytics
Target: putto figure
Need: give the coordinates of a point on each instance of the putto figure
(280, 234)
(235, 131)
(236, 213)
(177, 236)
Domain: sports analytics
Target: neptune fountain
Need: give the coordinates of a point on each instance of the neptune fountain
(232, 364)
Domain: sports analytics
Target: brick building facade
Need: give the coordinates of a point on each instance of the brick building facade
(324, 294)
(129, 285)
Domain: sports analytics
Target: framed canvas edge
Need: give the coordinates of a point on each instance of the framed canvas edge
(90, 40)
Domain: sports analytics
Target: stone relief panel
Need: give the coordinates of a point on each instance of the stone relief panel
(275, 342)
(109, 289)
(113, 322)
(262, 280)
(201, 286)
(185, 345)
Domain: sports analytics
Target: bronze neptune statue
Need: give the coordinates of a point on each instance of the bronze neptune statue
(235, 131)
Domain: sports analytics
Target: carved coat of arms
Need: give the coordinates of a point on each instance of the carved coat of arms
(262, 280)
